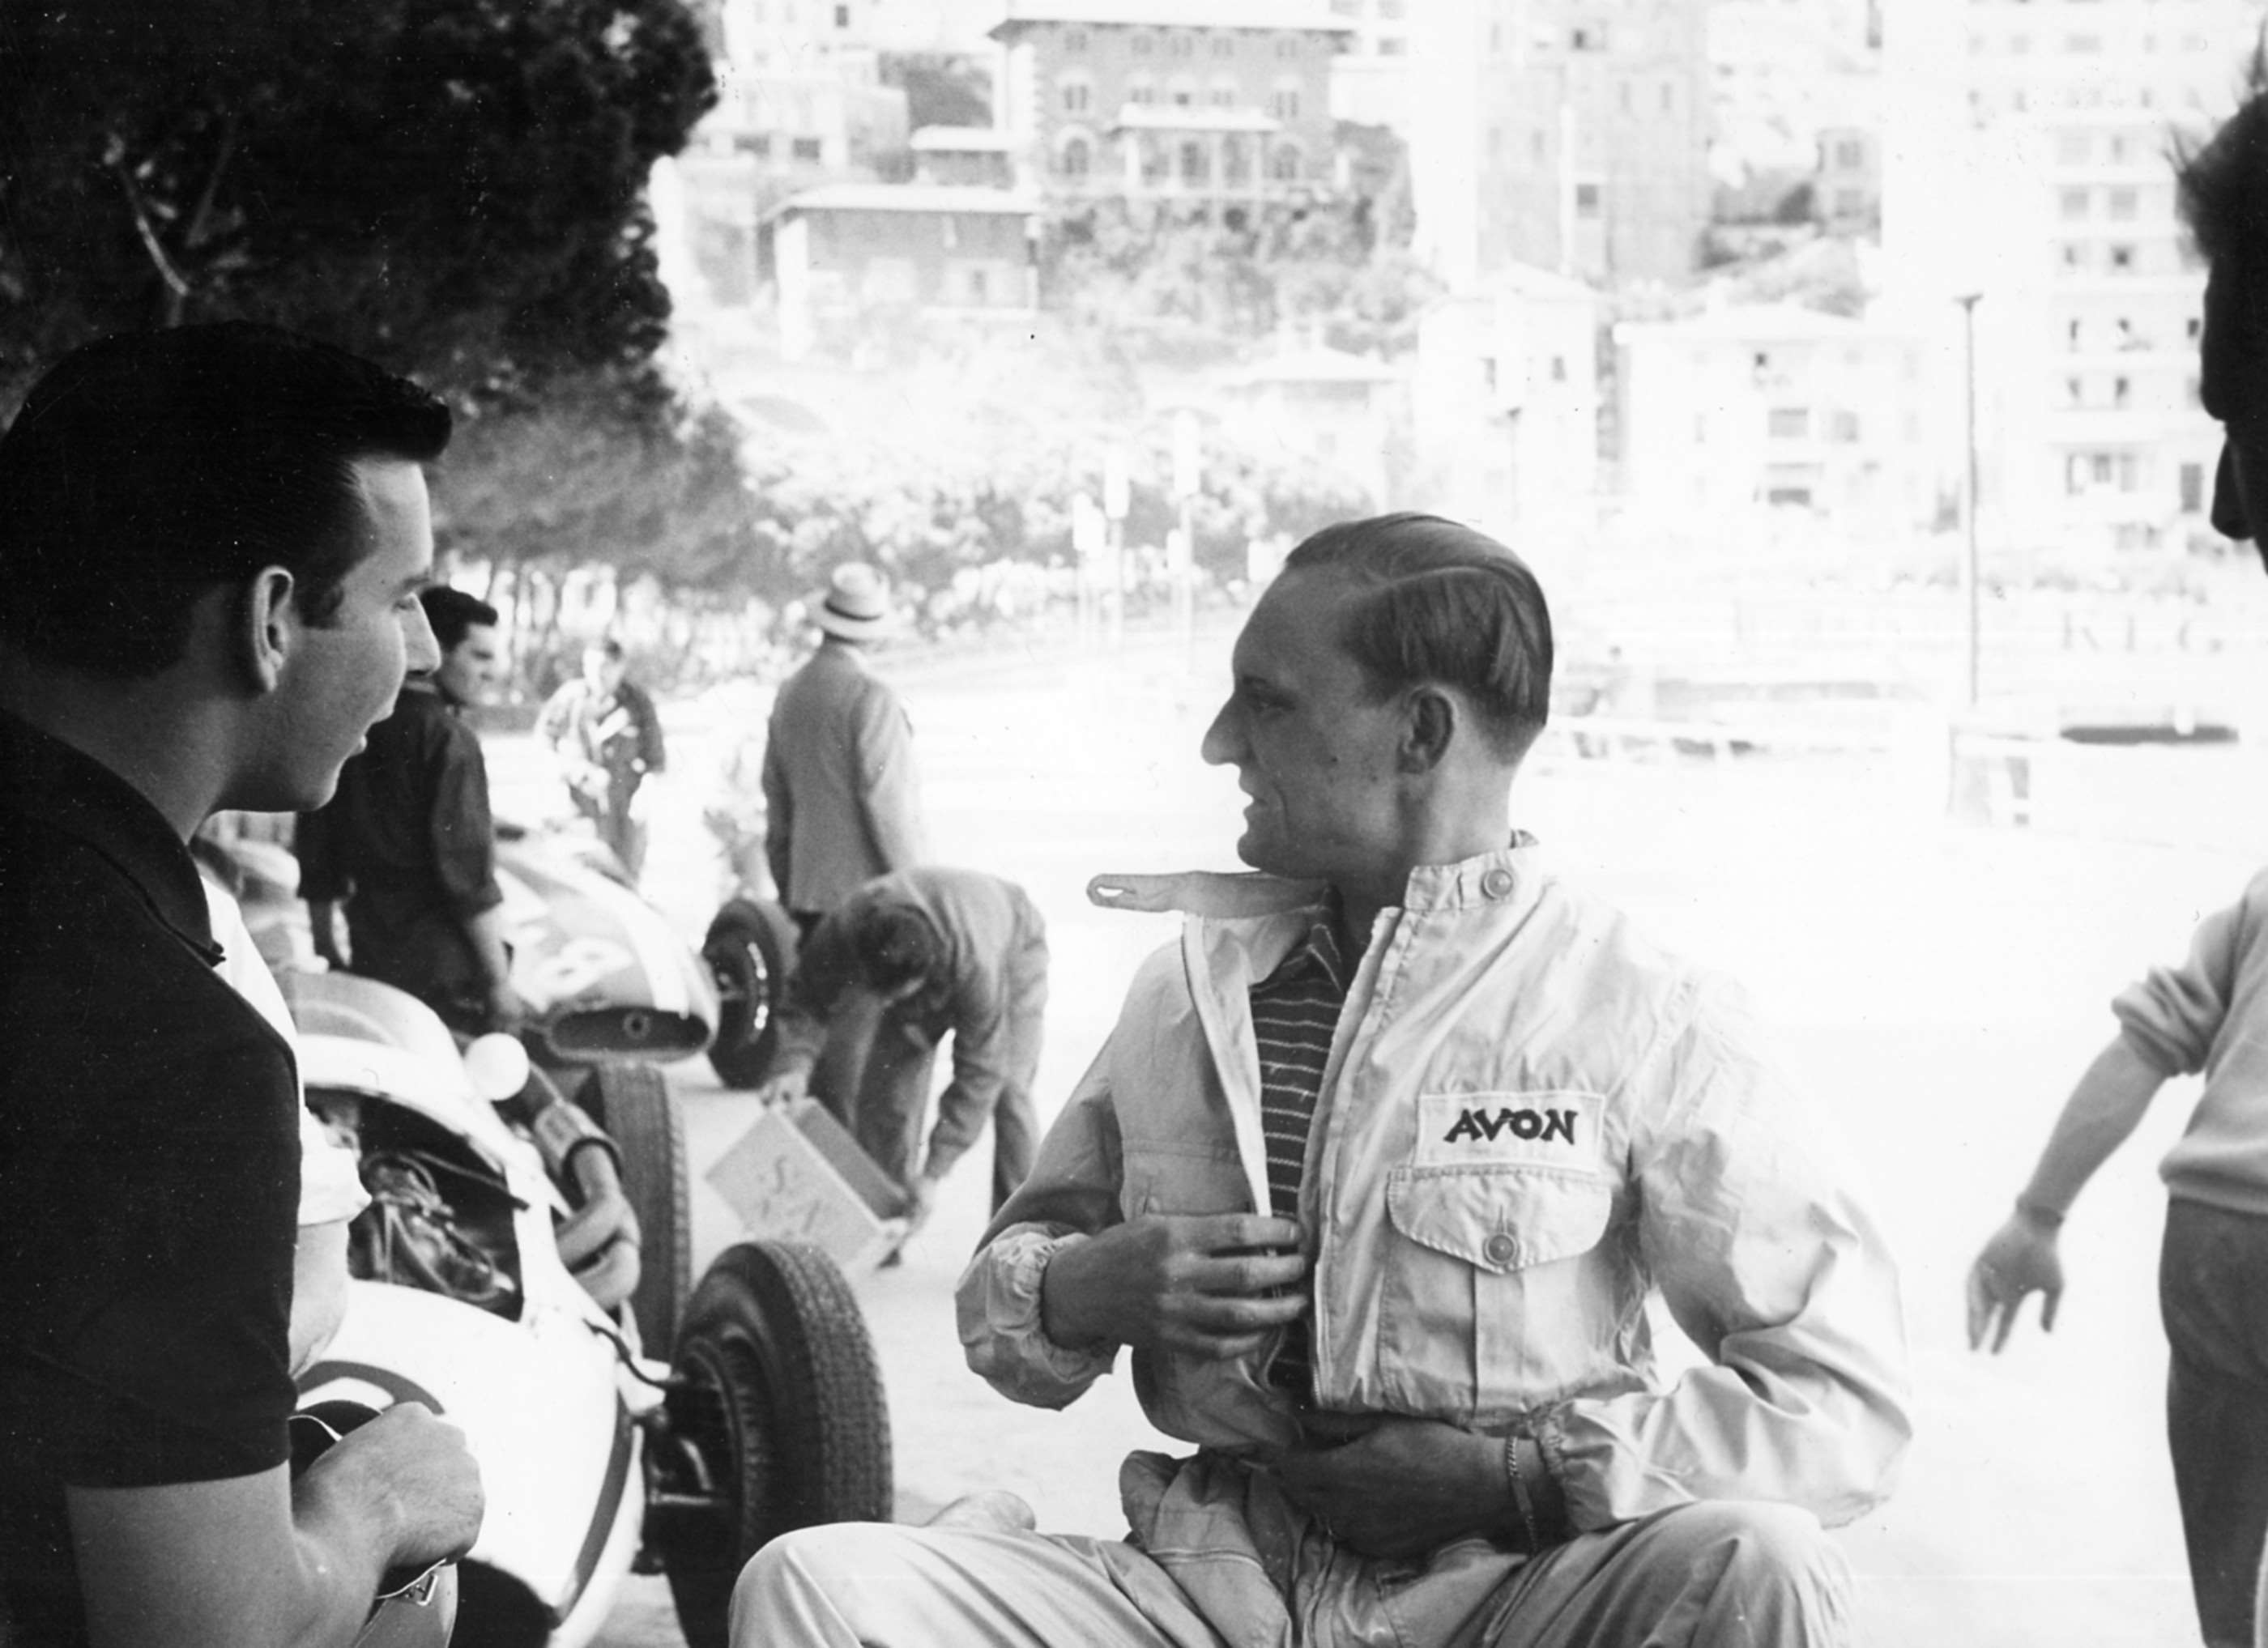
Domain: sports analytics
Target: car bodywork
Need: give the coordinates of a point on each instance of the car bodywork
(548, 1386)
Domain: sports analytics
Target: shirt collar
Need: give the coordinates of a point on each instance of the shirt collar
(1321, 950)
(57, 785)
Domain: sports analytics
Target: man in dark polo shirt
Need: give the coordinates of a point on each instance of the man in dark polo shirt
(213, 539)
(408, 844)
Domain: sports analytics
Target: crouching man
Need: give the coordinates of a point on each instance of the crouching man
(1375, 1178)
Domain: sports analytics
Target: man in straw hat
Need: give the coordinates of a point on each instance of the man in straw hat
(841, 802)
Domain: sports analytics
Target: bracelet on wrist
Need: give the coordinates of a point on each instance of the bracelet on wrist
(1520, 1496)
(2039, 1213)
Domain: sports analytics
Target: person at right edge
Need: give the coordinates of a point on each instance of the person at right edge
(1376, 1176)
(2209, 1014)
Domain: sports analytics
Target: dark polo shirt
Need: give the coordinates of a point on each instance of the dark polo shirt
(149, 1175)
(408, 845)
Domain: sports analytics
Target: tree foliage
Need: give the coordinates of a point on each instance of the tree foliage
(1238, 275)
(454, 188)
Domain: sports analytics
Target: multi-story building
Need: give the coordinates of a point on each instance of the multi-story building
(1370, 77)
(1341, 412)
(1571, 134)
(1777, 406)
(2030, 167)
(1504, 401)
(962, 154)
(1193, 99)
(1847, 187)
(846, 255)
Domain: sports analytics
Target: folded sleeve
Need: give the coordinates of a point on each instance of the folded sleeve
(1770, 1266)
(1072, 1193)
(2173, 1015)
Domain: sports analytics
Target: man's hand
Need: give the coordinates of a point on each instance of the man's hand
(416, 1466)
(1213, 1284)
(921, 1196)
(266, 1561)
(2020, 1259)
(785, 1087)
(1396, 1487)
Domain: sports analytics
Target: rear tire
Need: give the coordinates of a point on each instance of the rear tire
(778, 1392)
(634, 1104)
(750, 950)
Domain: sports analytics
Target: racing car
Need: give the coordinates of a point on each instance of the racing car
(608, 979)
(598, 1458)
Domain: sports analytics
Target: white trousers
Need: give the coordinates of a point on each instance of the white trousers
(1723, 1575)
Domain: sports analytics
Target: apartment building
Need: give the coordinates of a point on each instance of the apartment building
(2031, 166)
(1370, 78)
(1776, 406)
(1570, 134)
(1199, 100)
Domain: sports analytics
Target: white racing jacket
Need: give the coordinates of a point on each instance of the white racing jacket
(1530, 1118)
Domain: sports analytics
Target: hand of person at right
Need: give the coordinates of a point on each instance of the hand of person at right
(785, 1088)
(417, 1470)
(1210, 1284)
(2020, 1259)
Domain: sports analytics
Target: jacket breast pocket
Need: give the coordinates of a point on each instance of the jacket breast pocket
(1498, 1290)
(1500, 1219)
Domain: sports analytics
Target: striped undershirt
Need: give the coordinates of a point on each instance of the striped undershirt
(1294, 1010)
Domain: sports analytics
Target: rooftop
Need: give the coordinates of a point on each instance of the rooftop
(960, 139)
(1217, 14)
(908, 197)
(1757, 323)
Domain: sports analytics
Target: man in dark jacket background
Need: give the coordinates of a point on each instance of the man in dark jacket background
(840, 797)
(409, 846)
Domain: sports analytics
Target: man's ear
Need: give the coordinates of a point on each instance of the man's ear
(269, 625)
(1430, 722)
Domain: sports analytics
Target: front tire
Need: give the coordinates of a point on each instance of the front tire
(778, 1394)
(633, 1103)
(750, 950)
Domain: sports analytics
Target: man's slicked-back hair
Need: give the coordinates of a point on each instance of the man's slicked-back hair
(1439, 603)
(453, 613)
(149, 467)
(893, 945)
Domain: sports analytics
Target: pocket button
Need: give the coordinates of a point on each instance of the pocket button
(1500, 1248)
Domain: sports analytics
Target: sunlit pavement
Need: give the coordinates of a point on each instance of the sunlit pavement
(1937, 987)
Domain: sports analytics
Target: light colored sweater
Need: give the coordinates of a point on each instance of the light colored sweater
(2211, 1015)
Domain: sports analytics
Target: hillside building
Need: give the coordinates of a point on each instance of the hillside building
(849, 256)
(1370, 76)
(2028, 165)
(1569, 134)
(1504, 401)
(1342, 412)
(1773, 405)
(1202, 100)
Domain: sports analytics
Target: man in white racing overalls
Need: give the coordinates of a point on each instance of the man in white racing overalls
(1375, 1177)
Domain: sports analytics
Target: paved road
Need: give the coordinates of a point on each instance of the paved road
(1936, 987)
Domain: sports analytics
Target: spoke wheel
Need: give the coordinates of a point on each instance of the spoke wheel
(750, 949)
(778, 1396)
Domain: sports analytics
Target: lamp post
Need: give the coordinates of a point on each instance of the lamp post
(1969, 570)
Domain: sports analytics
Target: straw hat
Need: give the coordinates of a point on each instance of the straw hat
(856, 605)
